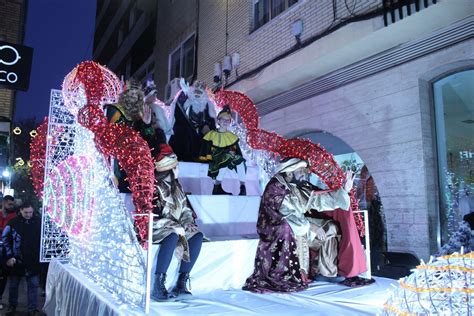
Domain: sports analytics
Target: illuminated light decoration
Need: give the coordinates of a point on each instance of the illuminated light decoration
(37, 156)
(107, 248)
(96, 233)
(67, 194)
(99, 84)
(17, 131)
(133, 155)
(320, 161)
(19, 162)
(33, 133)
(119, 141)
(442, 287)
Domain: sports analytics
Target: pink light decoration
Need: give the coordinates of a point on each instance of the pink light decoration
(68, 194)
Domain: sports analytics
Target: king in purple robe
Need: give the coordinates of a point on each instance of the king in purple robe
(305, 233)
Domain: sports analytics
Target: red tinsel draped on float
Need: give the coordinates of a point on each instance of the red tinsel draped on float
(120, 142)
(38, 156)
(321, 162)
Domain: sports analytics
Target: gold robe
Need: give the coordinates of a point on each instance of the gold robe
(295, 205)
(176, 216)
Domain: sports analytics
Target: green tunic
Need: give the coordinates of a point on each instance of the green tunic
(224, 152)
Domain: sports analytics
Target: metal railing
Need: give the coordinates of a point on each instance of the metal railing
(396, 10)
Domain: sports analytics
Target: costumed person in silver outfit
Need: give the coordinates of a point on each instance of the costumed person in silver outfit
(159, 121)
(175, 229)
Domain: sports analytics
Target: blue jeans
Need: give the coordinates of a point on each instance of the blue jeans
(32, 283)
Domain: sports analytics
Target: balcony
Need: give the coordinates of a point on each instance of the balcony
(396, 10)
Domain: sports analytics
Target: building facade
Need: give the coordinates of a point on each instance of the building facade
(389, 80)
(12, 30)
(125, 35)
(372, 86)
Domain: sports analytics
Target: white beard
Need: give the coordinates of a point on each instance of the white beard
(198, 105)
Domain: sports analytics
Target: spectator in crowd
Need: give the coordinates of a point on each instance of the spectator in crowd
(6, 214)
(21, 242)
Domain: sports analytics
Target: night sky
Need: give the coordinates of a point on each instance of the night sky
(61, 34)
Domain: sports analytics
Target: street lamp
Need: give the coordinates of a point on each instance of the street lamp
(229, 63)
(6, 173)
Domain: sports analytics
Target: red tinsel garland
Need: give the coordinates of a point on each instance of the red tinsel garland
(37, 157)
(132, 153)
(359, 220)
(120, 142)
(321, 162)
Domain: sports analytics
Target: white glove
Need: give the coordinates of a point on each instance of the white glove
(184, 86)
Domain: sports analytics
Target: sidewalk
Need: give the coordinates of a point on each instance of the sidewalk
(21, 309)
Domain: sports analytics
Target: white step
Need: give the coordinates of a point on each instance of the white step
(193, 177)
(224, 215)
(221, 265)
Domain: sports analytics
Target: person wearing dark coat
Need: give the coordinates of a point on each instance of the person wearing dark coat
(194, 116)
(7, 213)
(21, 242)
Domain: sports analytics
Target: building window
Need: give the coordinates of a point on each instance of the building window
(454, 116)
(265, 10)
(135, 14)
(182, 60)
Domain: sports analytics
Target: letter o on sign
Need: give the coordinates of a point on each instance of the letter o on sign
(11, 77)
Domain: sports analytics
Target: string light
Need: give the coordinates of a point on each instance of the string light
(38, 155)
(101, 234)
(19, 162)
(443, 286)
(33, 133)
(80, 198)
(17, 131)
(118, 141)
(320, 161)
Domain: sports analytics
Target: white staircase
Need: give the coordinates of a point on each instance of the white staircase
(193, 177)
(222, 216)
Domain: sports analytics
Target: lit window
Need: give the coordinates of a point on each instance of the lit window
(265, 10)
(454, 116)
(182, 60)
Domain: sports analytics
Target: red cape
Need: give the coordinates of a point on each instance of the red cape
(351, 254)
